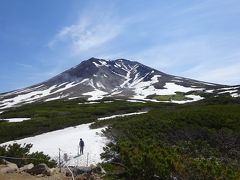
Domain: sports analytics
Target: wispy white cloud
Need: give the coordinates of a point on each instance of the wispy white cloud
(89, 32)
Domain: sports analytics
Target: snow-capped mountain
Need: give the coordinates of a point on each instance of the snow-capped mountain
(95, 79)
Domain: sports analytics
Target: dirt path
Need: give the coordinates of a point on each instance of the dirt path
(25, 176)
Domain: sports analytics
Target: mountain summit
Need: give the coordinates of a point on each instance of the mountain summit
(95, 79)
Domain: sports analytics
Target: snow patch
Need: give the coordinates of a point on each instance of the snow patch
(122, 115)
(97, 65)
(16, 119)
(84, 80)
(193, 98)
(229, 91)
(73, 98)
(67, 140)
(95, 95)
(235, 95)
(27, 97)
(134, 100)
(229, 88)
(209, 91)
(100, 85)
(54, 98)
(91, 102)
(144, 89)
(102, 63)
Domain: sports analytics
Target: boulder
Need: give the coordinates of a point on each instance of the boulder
(26, 167)
(9, 168)
(78, 170)
(12, 165)
(39, 169)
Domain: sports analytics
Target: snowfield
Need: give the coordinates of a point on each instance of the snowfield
(95, 95)
(144, 89)
(122, 115)
(67, 140)
(16, 119)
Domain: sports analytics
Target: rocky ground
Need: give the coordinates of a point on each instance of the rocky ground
(10, 171)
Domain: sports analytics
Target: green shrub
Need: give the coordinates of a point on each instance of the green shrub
(194, 141)
(23, 151)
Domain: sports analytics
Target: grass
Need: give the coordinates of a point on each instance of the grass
(175, 97)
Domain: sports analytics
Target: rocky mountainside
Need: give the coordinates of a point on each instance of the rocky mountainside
(95, 79)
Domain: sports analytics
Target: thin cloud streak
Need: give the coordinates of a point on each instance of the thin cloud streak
(88, 34)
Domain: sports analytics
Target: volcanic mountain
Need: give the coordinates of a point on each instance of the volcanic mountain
(95, 79)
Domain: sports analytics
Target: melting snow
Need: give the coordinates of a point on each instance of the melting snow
(73, 98)
(16, 119)
(30, 97)
(96, 94)
(209, 91)
(67, 140)
(127, 79)
(103, 63)
(91, 102)
(27, 97)
(100, 85)
(54, 98)
(70, 85)
(97, 65)
(229, 88)
(84, 80)
(134, 100)
(194, 98)
(229, 91)
(122, 115)
(235, 95)
(144, 89)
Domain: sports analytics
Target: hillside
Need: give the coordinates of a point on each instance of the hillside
(95, 79)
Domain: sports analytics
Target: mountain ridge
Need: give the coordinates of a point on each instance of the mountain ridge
(94, 79)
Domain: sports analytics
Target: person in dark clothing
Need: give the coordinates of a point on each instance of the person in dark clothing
(81, 145)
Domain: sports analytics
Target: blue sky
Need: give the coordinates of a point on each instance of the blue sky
(198, 39)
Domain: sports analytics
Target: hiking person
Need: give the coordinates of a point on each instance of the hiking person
(81, 145)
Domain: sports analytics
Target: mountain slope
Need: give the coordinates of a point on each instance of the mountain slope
(97, 78)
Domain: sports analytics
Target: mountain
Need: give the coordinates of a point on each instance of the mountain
(95, 79)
